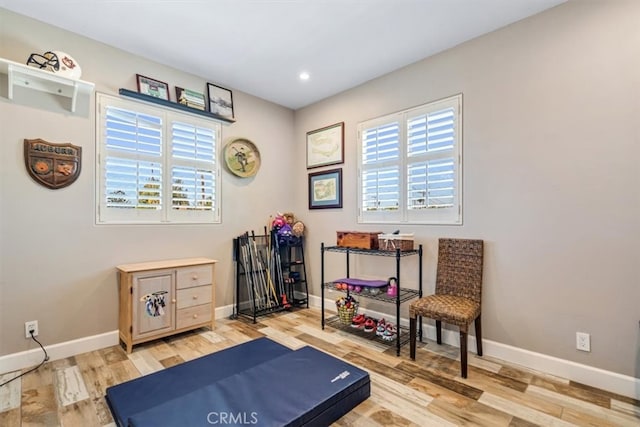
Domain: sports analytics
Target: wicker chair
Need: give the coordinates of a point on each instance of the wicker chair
(457, 299)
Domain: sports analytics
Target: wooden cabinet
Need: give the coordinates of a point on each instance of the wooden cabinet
(162, 298)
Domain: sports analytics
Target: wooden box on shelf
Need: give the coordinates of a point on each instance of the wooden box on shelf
(391, 242)
(358, 239)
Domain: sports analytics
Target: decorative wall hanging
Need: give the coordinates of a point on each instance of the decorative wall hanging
(325, 146)
(325, 189)
(242, 157)
(152, 87)
(52, 165)
(155, 303)
(220, 101)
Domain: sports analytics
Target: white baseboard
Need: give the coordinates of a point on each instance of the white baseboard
(25, 359)
(580, 373)
(584, 374)
(225, 312)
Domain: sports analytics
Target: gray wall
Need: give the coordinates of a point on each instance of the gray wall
(56, 265)
(551, 176)
(550, 182)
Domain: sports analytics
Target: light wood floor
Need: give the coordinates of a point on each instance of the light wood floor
(70, 392)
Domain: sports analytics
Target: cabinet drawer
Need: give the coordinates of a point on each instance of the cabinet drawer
(194, 296)
(198, 275)
(193, 315)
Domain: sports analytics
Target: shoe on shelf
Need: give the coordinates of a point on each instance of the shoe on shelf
(390, 332)
(358, 321)
(369, 325)
(381, 327)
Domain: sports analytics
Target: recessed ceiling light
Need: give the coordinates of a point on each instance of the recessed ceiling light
(304, 76)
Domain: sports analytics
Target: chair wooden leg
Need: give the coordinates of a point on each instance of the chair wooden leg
(412, 338)
(478, 336)
(463, 354)
(438, 331)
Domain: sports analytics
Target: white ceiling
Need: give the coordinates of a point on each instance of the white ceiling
(261, 46)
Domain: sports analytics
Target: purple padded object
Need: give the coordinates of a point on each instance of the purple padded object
(363, 282)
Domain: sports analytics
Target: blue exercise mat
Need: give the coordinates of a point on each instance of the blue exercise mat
(146, 392)
(302, 387)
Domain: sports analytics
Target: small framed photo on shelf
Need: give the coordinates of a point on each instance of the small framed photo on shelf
(325, 189)
(152, 87)
(220, 101)
(190, 98)
(325, 146)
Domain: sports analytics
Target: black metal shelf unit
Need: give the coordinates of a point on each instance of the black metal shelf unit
(403, 294)
(270, 277)
(294, 271)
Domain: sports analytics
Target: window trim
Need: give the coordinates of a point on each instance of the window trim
(166, 215)
(403, 216)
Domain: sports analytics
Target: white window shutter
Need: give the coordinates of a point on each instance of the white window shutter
(193, 176)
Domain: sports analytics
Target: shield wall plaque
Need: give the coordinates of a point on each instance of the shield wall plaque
(52, 165)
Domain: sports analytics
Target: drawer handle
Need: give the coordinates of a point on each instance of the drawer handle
(194, 277)
(195, 297)
(195, 316)
(174, 300)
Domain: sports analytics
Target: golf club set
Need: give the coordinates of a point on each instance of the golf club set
(262, 283)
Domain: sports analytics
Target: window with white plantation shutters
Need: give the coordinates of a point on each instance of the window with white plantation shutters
(155, 165)
(380, 172)
(192, 172)
(133, 155)
(410, 165)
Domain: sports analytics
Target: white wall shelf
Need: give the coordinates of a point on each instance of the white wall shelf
(19, 75)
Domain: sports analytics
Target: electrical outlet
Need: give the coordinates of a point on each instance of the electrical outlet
(583, 341)
(32, 325)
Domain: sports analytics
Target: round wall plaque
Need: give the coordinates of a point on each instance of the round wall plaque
(242, 157)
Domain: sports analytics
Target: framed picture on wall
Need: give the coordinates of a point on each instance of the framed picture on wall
(325, 189)
(190, 98)
(325, 146)
(220, 101)
(152, 87)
